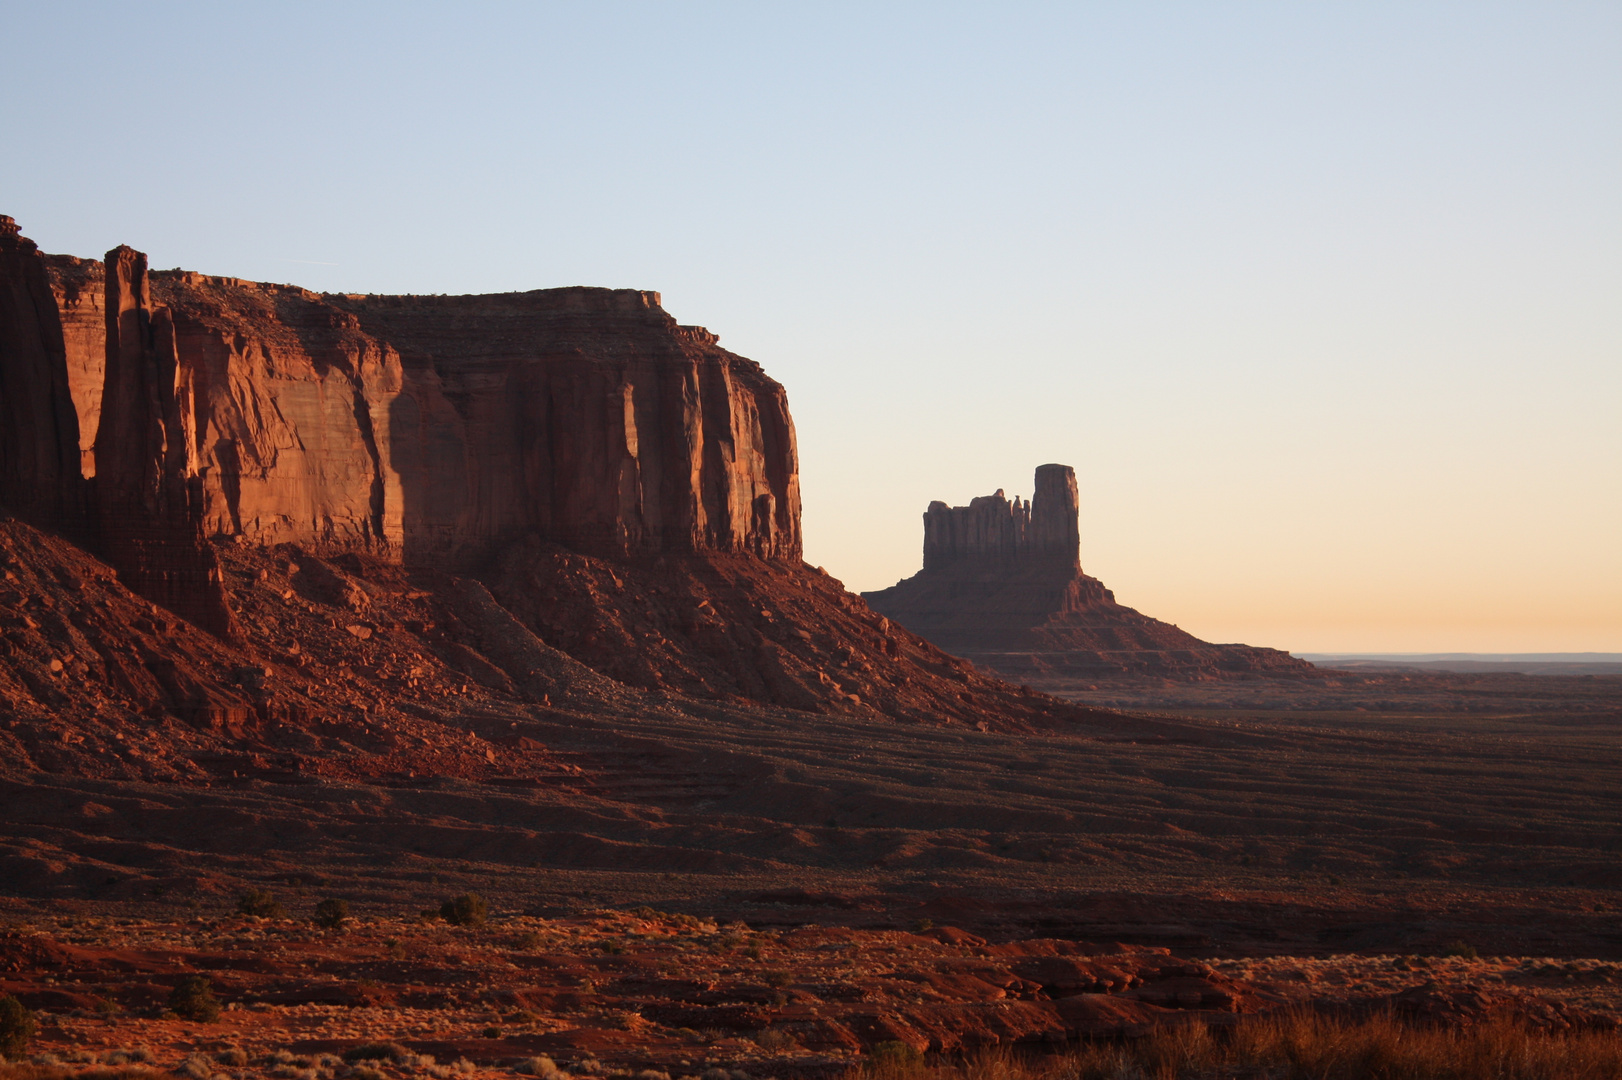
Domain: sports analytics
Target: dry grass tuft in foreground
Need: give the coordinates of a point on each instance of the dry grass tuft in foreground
(1298, 1047)
(28, 1071)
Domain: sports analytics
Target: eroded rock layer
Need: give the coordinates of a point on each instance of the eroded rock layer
(1002, 586)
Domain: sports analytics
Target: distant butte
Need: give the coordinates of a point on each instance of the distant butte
(1002, 586)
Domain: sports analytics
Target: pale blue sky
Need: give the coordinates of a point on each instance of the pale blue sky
(1322, 301)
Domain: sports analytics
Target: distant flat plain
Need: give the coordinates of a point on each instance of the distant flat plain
(1577, 663)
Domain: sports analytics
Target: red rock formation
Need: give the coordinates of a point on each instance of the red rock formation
(148, 490)
(584, 416)
(629, 489)
(434, 428)
(80, 290)
(292, 412)
(443, 428)
(991, 530)
(1002, 586)
(39, 430)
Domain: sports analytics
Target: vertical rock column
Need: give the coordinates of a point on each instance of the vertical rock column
(148, 493)
(1055, 511)
(39, 480)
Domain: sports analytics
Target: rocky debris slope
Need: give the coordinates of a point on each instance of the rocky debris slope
(735, 628)
(1002, 586)
(355, 666)
(336, 674)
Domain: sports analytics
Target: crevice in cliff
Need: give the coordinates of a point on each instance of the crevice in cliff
(368, 437)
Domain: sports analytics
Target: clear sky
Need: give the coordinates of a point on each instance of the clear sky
(1323, 301)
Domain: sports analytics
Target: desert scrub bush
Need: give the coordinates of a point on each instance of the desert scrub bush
(1461, 949)
(377, 1051)
(39, 1071)
(1294, 1046)
(260, 904)
(196, 1067)
(544, 1068)
(893, 1056)
(232, 1056)
(16, 1027)
(777, 978)
(469, 909)
(331, 913)
(774, 1039)
(193, 999)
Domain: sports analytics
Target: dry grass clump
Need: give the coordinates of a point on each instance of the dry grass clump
(1299, 1047)
(29, 1071)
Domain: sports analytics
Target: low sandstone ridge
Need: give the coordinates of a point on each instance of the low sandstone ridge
(1002, 586)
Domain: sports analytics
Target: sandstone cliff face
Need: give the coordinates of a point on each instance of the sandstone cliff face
(293, 405)
(80, 291)
(39, 430)
(148, 491)
(1002, 586)
(443, 428)
(587, 417)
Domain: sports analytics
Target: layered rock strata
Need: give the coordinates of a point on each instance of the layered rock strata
(1002, 586)
(435, 428)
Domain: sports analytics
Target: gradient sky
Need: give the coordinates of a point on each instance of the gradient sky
(1322, 301)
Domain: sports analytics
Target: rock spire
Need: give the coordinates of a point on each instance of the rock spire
(992, 530)
(148, 490)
